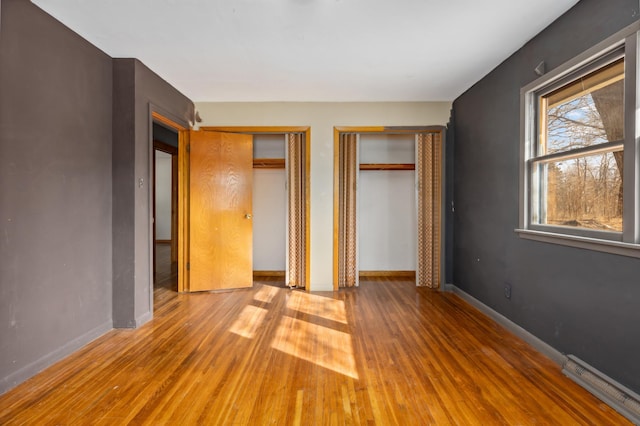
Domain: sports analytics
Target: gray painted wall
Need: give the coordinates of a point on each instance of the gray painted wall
(123, 192)
(580, 302)
(75, 138)
(449, 207)
(55, 191)
(136, 91)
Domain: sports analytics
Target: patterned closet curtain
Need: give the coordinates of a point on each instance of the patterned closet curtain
(347, 273)
(428, 175)
(296, 210)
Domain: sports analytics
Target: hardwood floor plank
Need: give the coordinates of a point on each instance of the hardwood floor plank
(384, 353)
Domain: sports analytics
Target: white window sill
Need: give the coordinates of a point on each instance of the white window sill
(613, 247)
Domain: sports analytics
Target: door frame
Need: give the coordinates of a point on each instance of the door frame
(183, 141)
(337, 133)
(306, 130)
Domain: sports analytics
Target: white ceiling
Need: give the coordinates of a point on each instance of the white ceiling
(312, 50)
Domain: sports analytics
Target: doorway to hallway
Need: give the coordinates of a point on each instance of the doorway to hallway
(165, 207)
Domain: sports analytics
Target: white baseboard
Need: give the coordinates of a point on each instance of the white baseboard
(30, 370)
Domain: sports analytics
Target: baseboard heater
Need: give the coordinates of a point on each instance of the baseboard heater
(623, 400)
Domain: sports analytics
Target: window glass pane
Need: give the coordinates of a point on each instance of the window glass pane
(585, 112)
(581, 192)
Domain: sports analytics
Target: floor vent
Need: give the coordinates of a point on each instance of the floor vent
(617, 396)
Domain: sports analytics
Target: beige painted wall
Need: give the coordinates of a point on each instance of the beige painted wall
(322, 117)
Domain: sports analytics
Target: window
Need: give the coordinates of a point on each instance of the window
(580, 161)
(576, 179)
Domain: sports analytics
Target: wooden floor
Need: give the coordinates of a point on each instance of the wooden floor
(385, 353)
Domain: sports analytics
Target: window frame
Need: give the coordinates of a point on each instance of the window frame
(622, 44)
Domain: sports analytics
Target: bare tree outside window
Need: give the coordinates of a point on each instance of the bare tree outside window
(583, 125)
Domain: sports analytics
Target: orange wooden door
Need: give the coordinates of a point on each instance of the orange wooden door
(220, 209)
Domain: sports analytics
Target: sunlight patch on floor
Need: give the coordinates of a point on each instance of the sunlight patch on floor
(266, 294)
(324, 307)
(248, 322)
(320, 345)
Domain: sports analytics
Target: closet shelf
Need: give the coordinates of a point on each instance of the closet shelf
(391, 166)
(268, 163)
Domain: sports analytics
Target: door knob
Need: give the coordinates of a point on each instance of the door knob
(247, 216)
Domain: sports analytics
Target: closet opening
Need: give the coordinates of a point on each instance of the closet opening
(388, 210)
(269, 209)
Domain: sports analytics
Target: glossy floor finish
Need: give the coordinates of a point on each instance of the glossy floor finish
(385, 353)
